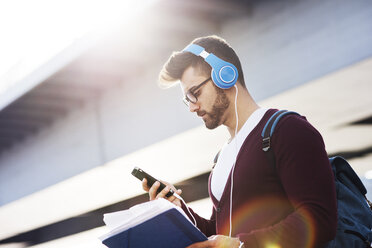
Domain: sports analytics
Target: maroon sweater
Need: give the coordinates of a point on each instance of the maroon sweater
(291, 204)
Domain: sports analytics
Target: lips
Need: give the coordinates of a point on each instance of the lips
(201, 113)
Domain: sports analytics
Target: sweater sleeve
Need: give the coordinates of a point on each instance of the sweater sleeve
(208, 227)
(306, 176)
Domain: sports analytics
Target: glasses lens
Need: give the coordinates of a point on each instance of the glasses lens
(185, 101)
(191, 98)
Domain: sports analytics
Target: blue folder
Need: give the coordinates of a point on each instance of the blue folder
(168, 229)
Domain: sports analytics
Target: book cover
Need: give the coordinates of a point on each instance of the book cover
(157, 223)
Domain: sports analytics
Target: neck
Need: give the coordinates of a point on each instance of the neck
(245, 107)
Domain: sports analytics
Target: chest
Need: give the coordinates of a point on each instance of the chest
(253, 174)
(253, 171)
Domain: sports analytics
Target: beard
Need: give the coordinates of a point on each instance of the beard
(214, 117)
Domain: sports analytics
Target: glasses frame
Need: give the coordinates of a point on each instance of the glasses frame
(190, 93)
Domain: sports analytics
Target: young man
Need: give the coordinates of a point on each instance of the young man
(289, 202)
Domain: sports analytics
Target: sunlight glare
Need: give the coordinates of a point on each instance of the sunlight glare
(35, 31)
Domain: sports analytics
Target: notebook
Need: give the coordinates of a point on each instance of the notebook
(157, 223)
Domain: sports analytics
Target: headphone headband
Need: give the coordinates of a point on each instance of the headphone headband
(224, 74)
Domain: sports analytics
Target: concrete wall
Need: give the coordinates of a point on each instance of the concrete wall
(282, 44)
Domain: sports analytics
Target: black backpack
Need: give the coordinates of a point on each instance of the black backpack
(354, 220)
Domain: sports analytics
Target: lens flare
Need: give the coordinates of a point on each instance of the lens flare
(267, 212)
(272, 246)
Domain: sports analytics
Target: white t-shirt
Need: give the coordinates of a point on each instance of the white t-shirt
(229, 152)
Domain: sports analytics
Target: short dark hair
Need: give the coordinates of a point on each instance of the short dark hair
(178, 62)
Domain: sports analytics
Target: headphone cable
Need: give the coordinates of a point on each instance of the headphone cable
(236, 151)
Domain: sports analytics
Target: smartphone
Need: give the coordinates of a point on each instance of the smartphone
(140, 174)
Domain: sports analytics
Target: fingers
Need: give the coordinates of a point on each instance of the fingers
(144, 185)
(154, 188)
(170, 185)
(153, 191)
(164, 192)
(176, 201)
(177, 191)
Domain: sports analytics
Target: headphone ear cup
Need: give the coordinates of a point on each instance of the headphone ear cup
(224, 74)
(218, 81)
(227, 74)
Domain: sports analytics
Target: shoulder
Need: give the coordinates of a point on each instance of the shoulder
(295, 133)
(288, 124)
(298, 147)
(295, 125)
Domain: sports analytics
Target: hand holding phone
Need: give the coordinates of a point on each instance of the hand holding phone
(171, 195)
(140, 174)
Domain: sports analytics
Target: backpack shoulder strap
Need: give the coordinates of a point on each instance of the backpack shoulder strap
(269, 127)
(268, 131)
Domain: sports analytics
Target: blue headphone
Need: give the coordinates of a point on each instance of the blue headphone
(224, 74)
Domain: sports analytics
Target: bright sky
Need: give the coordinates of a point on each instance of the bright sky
(34, 31)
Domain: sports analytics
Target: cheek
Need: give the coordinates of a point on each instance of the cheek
(208, 96)
(207, 101)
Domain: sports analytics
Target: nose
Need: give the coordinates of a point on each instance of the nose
(193, 107)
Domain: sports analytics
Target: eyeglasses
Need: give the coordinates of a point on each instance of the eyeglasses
(190, 94)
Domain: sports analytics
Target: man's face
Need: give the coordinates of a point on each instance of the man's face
(212, 101)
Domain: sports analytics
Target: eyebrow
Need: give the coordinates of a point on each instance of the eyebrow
(197, 86)
(192, 88)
